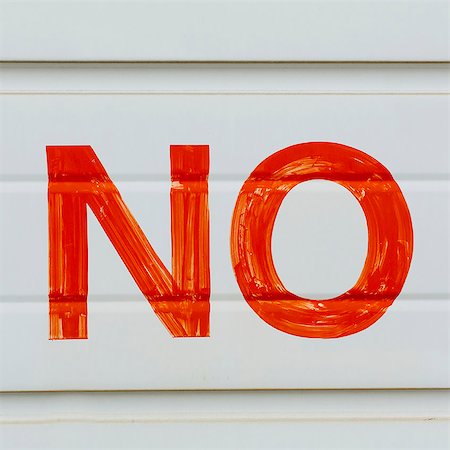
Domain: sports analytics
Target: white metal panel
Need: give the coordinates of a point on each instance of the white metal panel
(402, 121)
(128, 349)
(407, 133)
(131, 113)
(220, 30)
(258, 419)
(324, 263)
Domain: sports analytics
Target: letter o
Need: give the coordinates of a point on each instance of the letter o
(390, 240)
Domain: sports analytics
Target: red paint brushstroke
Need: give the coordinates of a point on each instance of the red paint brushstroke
(390, 240)
(77, 179)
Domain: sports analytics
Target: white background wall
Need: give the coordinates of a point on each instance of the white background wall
(130, 113)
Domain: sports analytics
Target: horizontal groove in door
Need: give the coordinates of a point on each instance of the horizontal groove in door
(224, 78)
(269, 405)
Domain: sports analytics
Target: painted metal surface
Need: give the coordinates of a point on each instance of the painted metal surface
(319, 239)
(131, 113)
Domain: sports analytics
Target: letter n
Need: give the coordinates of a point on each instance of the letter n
(77, 179)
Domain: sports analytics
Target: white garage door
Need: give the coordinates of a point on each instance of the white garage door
(281, 167)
